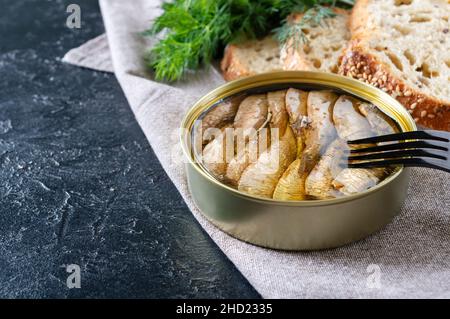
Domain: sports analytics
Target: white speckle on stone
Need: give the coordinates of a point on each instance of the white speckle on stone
(5, 126)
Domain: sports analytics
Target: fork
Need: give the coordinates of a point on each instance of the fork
(427, 148)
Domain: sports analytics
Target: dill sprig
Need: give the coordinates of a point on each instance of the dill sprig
(196, 31)
(192, 39)
(295, 30)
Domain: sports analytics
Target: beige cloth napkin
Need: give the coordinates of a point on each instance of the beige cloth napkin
(410, 258)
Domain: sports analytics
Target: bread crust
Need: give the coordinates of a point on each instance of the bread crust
(358, 63)
(231, 66)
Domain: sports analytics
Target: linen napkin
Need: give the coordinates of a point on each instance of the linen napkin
(410, 258)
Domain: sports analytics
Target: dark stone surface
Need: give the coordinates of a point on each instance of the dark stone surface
(79, 183)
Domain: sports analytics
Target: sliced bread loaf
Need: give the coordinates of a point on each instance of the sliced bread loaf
(250, 58)
(323, 46)
(403, 47)
(320, 52)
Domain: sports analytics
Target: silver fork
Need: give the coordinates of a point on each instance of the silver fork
(418, 148)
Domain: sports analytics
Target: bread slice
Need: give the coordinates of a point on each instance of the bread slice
(323, 45)
(250, 58)
(403, 47)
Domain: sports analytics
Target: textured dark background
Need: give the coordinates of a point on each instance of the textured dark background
(79, 183)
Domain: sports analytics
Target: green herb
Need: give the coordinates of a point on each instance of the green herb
(196, 31)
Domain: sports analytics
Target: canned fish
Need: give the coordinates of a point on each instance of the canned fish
(265, 159)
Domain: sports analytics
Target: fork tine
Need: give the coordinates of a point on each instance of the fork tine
(437, 145)
(399, 154)
(410, 162)
(428, 135)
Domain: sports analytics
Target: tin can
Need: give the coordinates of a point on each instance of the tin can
(296, 225)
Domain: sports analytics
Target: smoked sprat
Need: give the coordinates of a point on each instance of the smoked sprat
(290, 144)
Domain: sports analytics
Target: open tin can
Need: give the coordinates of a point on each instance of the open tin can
(296, 225)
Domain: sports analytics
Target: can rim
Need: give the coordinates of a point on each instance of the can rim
(379, 98)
